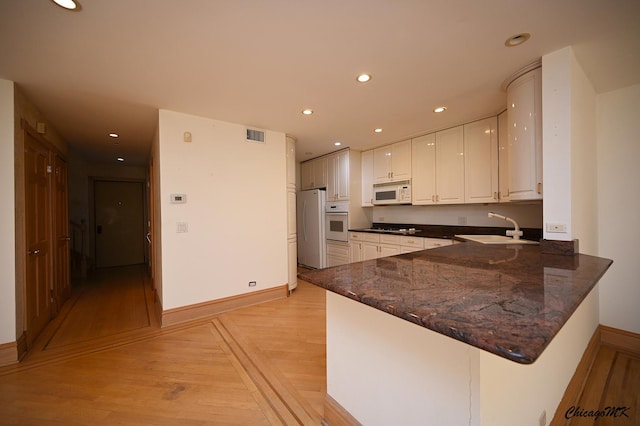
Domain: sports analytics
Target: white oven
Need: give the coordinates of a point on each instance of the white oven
(336, 221)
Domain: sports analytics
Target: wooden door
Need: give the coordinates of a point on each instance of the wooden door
(119, 219)
(61, 236)
(38, 236)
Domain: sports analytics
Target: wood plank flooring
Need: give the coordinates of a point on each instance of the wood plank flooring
(104, 360)
(612, 388)
(261, 365)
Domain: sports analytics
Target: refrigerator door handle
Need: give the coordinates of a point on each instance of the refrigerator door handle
(304, 219)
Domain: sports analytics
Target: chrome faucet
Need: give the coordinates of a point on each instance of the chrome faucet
(515, 233)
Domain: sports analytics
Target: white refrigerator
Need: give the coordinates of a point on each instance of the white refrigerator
(310, 223)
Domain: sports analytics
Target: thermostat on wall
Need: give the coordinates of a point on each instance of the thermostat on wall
(178, 198)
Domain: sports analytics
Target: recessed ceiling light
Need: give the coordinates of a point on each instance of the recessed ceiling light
(113, 135)
(440, 109)
(68, 4)
(363, 78)
(337, 143)
(120, 159)
(517, 39)
(378, 130)
(307, 111)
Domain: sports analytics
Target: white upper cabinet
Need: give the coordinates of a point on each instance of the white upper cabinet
(481, 161)
(313, 173)
(367, 178)
(291, 162)
(423, 169)
(338, 176)
(392, 162)
(438, 168)
(524, 127)
(503, 158)
(450, 166)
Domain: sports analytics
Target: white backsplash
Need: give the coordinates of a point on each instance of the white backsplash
(528, 215)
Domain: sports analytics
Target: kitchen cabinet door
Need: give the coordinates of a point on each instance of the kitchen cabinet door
(388, 250)
(481, 161)
(367, 178)
(355, 251)
(338, 176)
(524, 113)
(313, 173)
(370, 250)
(450, 166)
(392, 162)
(423, 169)
(306, 175)
(503, 158)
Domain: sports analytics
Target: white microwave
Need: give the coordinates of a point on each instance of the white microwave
(392, 193)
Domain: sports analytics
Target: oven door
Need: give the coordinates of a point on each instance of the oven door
(336, 226)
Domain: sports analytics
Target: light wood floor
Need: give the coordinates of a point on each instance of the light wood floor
(105, 360)
(614, 381)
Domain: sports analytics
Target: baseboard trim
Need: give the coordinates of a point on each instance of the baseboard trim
(218, 306)
(336, 415)
(8, 353)
(620, 338)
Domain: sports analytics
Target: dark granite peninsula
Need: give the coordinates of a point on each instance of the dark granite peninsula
(468, 334)
(510, 300)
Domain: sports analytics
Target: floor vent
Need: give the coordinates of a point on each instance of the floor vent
(255, 135)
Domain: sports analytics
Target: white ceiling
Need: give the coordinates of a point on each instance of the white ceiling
(112, 65)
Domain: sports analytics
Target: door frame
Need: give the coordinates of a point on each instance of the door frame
(92, 211)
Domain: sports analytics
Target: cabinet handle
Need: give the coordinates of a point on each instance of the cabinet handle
(36, 251)
(539, 187)
(495, 195)
(433, 198)
(437, 198)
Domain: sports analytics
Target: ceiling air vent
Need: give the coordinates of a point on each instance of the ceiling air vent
(255, 135)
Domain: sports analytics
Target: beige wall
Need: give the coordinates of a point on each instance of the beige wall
(618, 137)
(236, 210)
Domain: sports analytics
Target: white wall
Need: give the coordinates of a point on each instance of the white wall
(569, 163)
(618, 142)
(386, 371)
(514, 394)
(7, 216)
(235, 210)
(556, 136)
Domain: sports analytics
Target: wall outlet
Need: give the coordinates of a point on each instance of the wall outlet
(542, 420)
(182, 227)
(252, 283)
(556, 227)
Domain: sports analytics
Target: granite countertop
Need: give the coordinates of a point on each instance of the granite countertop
(447, 231)
(509, 300)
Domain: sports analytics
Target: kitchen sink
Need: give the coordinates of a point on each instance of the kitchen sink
(495, 239)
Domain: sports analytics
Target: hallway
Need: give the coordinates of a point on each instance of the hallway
(105, 360)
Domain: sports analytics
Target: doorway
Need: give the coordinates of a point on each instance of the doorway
(119, 231)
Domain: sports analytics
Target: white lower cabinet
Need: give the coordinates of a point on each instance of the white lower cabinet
(366, 246)
(430, 243)
(337, 253)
